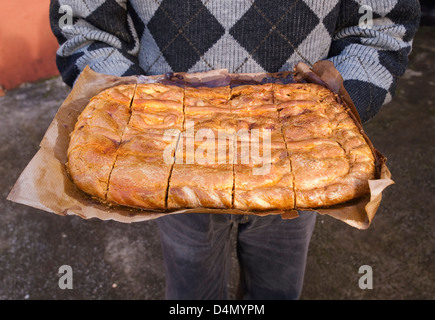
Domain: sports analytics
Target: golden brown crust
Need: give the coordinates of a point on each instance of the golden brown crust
(136, 181)
(331, 161)
(264, 199)
(203, 97)
(90, 164)
(149, 116)
(121, 94)
(263, 187)
(299, 91)
(262, 173)
(247, 97)
(95, 140)
(207, 186)
(251, 147)
(157, 91)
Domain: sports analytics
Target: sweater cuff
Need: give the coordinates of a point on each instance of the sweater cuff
(367, 97)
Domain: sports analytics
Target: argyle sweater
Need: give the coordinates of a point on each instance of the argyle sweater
(121, 37)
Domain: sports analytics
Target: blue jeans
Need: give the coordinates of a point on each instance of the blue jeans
(271, 252)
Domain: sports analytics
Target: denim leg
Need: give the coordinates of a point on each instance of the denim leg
(272, 255)
(197, 255)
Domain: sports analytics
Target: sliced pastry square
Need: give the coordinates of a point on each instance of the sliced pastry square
(205, 150)
(157, 91)
(263, 187)
(93, 144)
(262, 176)
(90, 160)
(209, 118)
(202, 175)
(105, 117)
(320, 168)
(246, 97)
(207, 112)
(122, 94)
(138, 182)
(155, 145)
(142, 169)
(257, 152)
(157, 107)
(262, 120)
(303, 120)
(206, 97)
(141, 172)
(300, 91)
(207, 186)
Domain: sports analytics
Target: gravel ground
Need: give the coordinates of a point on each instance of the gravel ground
(111, 260)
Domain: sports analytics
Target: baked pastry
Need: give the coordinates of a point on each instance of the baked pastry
(262, 172)
(202, 175)
(252, 148)
(145, 156)
(330, 159)
(96, 139)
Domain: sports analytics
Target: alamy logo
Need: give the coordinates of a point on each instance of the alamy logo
(366, 280)
(66, 280)
(366, 20)
(66, 20)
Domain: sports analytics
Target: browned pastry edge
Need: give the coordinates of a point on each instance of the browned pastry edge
(104, 144)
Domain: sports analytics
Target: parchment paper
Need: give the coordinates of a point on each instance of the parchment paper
(44, 184)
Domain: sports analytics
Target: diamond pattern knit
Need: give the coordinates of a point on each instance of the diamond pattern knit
(123, 37)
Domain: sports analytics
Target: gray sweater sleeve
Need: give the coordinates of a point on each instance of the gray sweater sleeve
(97, 33)
(372, 54)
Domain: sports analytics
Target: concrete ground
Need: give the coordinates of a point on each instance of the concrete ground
(111, 260)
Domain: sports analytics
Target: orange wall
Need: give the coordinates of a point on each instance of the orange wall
(27, 45)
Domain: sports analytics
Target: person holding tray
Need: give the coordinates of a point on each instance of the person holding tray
(368, 44)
